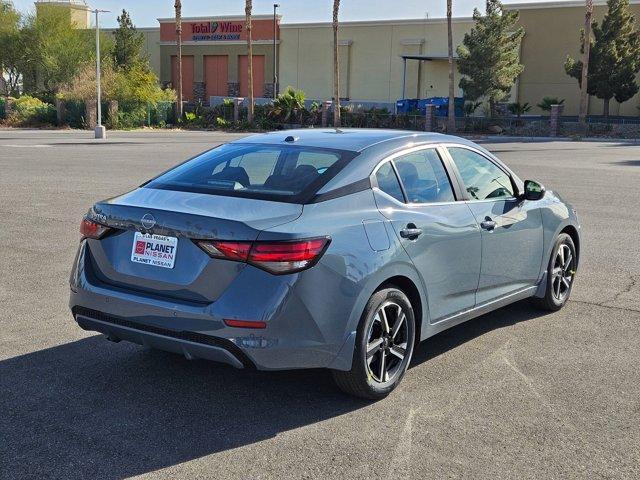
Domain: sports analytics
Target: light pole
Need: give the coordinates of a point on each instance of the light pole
(275, 50)
(100, 131)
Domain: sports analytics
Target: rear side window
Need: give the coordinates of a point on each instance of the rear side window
(424, 178)
(272, 172)
(388, 182)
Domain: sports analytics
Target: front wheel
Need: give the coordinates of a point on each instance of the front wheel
(561, 272)
(384, 346)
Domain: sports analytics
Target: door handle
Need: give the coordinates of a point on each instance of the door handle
(488, 224)
(411, 232)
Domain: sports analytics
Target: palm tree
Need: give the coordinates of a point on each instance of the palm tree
(247, 9)
(451, 119)
(586, 46)
(178, 7)
(336, 66)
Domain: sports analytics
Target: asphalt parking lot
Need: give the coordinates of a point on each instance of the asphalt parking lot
(513, 394)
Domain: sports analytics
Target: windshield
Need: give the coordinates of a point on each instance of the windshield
(272, 172)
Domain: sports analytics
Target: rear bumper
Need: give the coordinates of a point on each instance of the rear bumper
(304, 330)
(191, 345)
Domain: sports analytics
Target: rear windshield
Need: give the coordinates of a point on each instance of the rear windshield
(272, 172)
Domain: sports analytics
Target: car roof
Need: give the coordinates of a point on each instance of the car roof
(352, 139)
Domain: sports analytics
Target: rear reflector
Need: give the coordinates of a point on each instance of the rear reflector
(274, 257)
(90, 229)
(245, 323)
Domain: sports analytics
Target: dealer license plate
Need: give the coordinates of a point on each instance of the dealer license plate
(156, 250)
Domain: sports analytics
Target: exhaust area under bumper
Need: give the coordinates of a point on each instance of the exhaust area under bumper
(190, 344)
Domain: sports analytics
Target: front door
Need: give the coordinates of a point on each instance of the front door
(439, 234)
(258, 75)
(511, 228)
(187, 75)
(216, 75)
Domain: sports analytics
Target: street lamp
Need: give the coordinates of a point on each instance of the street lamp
(275, 51)
(101, 131)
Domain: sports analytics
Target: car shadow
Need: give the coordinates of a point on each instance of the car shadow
(628, 163)
(91, 408)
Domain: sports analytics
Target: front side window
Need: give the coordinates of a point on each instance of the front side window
(483, 179)
(424, 178)
(282, 172)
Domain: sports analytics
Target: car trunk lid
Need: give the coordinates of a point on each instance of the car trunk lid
(194, 276)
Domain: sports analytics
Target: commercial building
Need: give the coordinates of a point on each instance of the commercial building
(79, 11)
(373, 55)
(214, 55)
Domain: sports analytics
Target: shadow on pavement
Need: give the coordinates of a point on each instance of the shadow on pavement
(91, 409)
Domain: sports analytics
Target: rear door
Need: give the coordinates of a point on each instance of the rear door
(438, 232)
(511, 228)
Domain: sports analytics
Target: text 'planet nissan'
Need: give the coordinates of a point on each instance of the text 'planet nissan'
(338, 249)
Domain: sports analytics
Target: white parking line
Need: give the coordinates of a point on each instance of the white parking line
(25, 146)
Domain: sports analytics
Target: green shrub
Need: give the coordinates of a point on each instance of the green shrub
(131, 116)
(546, 103)
(222, 123)
(30, 111)
(288, 107)
(3, 108)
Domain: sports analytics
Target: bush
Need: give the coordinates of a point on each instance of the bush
(288, 107)
(30, 111)
(3, 108)
(546, 103)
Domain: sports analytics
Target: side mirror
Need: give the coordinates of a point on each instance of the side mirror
(533, 190)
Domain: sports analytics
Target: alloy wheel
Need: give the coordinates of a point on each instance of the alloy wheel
(387, 343)
(562, 273)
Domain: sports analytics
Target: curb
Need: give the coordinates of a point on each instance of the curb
(505, 139)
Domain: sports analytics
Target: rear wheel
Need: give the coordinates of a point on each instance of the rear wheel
(384, 346)
(560, 274)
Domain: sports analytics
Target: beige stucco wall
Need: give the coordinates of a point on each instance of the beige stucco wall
(371, 67)
(152, 47)
(551, 35)
(79, 15)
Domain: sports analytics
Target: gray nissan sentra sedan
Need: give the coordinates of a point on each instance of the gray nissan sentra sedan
(338, 249)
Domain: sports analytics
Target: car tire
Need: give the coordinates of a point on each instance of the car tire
(383, 347)
(560, 276)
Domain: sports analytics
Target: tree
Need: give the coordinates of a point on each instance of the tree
(128, 42)
(586, 46)
(178, 9)
(54, 51)
(614, 56)
(451, 121)
(247, 10)
(11, 52)
(489, 54)
(336, 65)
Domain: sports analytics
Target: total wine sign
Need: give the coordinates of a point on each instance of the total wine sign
(216, 31)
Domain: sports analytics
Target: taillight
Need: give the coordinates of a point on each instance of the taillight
(274, 257)
(89, 229)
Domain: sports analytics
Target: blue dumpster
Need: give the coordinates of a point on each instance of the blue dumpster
(406, 105)
(442, 106)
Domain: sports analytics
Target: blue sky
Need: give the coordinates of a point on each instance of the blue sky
(145, 12)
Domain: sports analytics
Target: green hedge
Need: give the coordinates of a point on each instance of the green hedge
(29, 111)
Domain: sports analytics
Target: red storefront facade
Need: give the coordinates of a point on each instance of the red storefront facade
(214, 56)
